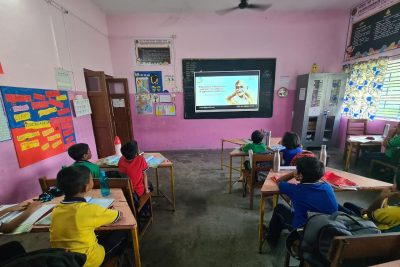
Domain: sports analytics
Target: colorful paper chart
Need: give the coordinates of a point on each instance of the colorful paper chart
(40, 121)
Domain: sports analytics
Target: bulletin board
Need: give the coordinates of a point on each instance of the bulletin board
(40, 122)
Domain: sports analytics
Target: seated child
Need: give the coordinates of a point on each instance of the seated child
(27, 207)
(257, 146)
(292, 144)
(81, 154)
(135, 166)
(73, 221)
(310, 195)
(384, 211)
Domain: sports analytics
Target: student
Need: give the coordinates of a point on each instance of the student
(73, 221)
(257, 146)
(292, 144)
(81, 154)
(27, 207)
(310, 195)
(135, 166)
(385, 216)
(391, 145)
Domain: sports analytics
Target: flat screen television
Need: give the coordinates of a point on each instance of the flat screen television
(228, 88)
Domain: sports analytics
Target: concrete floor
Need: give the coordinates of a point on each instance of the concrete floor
(210, 227)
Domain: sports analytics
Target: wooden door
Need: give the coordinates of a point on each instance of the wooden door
(101, 115)
(120, 108)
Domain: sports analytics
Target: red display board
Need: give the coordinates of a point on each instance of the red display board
(40, 122)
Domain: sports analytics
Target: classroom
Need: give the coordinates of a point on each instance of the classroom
(199, 85)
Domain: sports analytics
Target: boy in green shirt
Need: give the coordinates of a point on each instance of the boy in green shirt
(257, 146)
(81, 154)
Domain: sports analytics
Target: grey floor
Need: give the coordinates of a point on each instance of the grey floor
(210, 227)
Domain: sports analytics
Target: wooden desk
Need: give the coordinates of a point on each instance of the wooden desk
(351, 142)
(165, 164)
(126, 222)
(239, 153)
(270, 188)
(236, 141)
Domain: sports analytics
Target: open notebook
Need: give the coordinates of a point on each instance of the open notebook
(104, 202)
(26, 226)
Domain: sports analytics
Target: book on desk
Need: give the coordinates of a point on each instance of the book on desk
(103, 202)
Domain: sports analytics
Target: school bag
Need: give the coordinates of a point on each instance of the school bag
(320, 230)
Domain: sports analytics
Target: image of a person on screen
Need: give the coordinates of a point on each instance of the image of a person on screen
(240, 96)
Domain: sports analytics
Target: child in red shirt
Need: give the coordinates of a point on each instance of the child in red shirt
(134, 165)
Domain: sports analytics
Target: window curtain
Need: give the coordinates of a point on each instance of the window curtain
(363, 88)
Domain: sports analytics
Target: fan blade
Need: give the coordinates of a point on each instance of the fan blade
(260, 7)
(222, 12)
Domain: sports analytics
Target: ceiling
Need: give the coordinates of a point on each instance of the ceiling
(126, 7)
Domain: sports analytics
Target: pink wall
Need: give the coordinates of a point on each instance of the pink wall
(36, 43)
(297, 40)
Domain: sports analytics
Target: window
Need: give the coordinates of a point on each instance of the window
(389, 104)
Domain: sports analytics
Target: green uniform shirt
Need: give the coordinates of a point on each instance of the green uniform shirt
(393, 148)
(257, 148)
(94, 169)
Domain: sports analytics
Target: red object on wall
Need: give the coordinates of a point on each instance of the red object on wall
(1, 69)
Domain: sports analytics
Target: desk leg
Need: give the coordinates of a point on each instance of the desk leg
(222, 154)
(230, 175)
(171, 173)
(274, 201)
(261, 224)
(135, 240)
(157, 182)
(348, 158)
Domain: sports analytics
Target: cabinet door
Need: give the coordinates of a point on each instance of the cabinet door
(315, 100)
(333, 101)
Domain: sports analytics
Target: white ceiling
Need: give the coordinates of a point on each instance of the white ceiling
(126, 7)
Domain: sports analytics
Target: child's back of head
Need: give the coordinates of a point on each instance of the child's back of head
(257, 137)
(311, 169)
(130, 150)
(73, 180)
(291, 140)
(78, 151)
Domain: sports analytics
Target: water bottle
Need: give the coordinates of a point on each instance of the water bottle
(323, 155)
(117, 146)
(386, 130)
(268, 138)
(277, 161)
(104, 188)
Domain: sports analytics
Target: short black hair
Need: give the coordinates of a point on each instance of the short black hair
(311, 169)
(291, 140)
(77, 151)
(257, 137)
(72, 180)
(129, 150)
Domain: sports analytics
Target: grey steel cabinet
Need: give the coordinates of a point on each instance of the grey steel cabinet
(318, 102)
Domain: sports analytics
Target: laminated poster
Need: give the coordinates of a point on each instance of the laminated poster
(144, 104)
(165, 109)
(40, 121)
(4, 130)
(154, 82)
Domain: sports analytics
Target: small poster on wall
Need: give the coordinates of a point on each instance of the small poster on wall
(4, 130)
(144, 104)
(40, 121)
(165, 109)
(150, 81)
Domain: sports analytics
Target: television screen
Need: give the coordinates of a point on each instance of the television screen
(228, 88)
(226, 91)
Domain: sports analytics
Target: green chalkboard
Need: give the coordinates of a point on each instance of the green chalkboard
(265, 66)
(375, 34)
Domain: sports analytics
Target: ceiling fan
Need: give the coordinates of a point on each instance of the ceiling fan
(244, 4)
